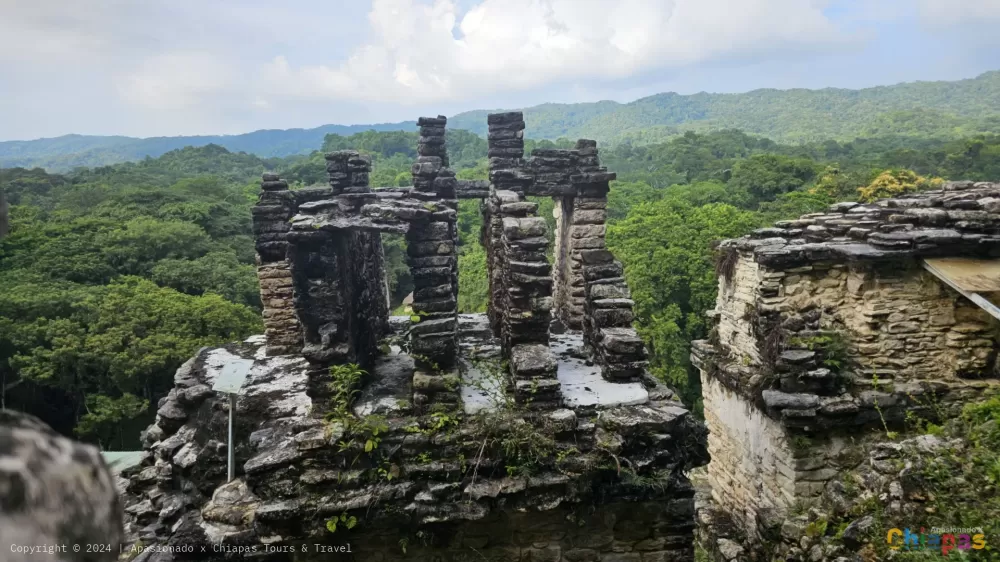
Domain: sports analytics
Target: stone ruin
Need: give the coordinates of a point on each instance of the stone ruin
(322, 277)
(530, 433)
(828, 332)
(533, 432)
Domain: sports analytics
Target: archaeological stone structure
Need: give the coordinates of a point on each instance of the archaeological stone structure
(828, 332)
(530, 433)
(322, 279)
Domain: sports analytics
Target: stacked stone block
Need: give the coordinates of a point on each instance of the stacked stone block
(607, 304)
(520, 274)
(506, 159)
(552, 170)
(617, 347)
(527, 275)
(275, 206)
(828, 332)
(490, 238)
(569, 292)
(433, 259)
(348, 171)
(527, 302)
(506, 152)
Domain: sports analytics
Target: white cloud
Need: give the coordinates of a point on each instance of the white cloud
(953, 12)
(423, 53)
(162, 67)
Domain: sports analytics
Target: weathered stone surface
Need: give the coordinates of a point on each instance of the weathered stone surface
(324, 297)
(782, 400)
(827, 332)
(54, 491)
(532, 360)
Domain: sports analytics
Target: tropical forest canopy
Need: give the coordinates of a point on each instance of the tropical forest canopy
(945, 110)
(111, 277)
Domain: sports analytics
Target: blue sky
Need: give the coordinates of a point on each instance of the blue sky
(170, 67)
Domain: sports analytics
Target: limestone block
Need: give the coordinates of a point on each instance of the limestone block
(532, 360)
(587, 216)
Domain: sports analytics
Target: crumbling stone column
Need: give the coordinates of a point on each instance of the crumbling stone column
(506, 159)
(607, 310)
(568, 292)
(274, 208)
(348, 171)
(338, 273)
(520, 275)
(433, 259)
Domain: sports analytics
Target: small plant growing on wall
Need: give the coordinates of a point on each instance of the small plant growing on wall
(832, 346)
(344, 521)
(344, 386)
(725, 263)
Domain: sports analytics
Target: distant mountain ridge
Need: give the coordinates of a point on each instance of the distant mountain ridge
(70, 151)
(932, 109)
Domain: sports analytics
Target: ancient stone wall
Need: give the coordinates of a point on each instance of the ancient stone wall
(752, 468)
(274, 208)
(827, 331)
(432, 252)
(447, 492)
(323, 291)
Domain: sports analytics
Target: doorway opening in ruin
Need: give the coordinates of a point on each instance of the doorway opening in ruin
(473, 270)
(398, 279)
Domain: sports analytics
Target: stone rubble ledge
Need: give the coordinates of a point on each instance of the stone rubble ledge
(295, 470)
(845, 407)
(963, 219)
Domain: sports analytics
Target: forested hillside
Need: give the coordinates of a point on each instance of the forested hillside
(945, 110)
(111, 277)
(71, 151)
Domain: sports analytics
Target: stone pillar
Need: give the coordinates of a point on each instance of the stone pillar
(507, 173)
(520, 275)
(526, 301)
(565, 270)
(433, 259)
(274, 208)
(338, 273)
(607, 310)
(490, 239)
(348, 171)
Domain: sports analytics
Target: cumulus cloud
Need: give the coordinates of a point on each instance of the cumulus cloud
(161, 67)
(423, 52)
